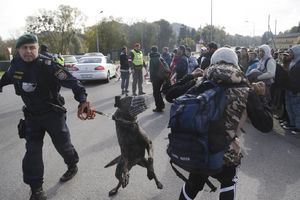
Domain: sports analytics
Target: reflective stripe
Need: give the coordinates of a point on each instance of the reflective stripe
(184, 193)
(227, 189)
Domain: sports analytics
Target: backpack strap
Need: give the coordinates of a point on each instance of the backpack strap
(266, 63)
(180, 175)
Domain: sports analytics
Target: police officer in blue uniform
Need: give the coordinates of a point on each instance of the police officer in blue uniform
(37, 79)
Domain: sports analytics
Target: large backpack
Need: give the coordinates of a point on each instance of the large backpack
(164, 70)
(191, 116)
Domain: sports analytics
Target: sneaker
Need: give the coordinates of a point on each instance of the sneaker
(134, 94)
(123, 92)
(127, 91)
(38, 194)
(287, 127)
(69, 174)
(141, 93)
(157, 110)
(295, 131)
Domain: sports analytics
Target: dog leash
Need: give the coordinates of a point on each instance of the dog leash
(103, 114)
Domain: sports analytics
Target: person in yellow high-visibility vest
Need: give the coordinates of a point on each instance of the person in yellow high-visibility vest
(59, 59)
(137, 63)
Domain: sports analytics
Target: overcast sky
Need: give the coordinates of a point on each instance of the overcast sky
(231, 14)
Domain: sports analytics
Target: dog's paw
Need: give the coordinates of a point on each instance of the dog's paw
(159, 185)
(113, 192)
(150, 175)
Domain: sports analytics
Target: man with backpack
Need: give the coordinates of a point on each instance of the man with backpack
(157, 77)
(223, 133)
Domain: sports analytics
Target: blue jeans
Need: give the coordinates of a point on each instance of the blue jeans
(293, 108)
(124, 80)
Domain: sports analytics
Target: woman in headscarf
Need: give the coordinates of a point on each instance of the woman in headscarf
(242, 99)
(265, 70)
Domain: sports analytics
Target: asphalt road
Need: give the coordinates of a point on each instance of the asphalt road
(270, 169)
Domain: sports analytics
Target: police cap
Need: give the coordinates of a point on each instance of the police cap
(27, 38)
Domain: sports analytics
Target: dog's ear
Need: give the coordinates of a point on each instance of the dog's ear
(117, 101)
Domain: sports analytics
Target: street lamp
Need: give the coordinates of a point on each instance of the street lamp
(97, 36)
(253, 24)
(211, 23)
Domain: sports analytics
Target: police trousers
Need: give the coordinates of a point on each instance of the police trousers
(137, 79)
(54, 123)
(195, 183)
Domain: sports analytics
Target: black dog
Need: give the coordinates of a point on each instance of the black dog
(132, 140)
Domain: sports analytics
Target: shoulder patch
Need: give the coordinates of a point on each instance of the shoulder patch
(61, 75)
(48, 62)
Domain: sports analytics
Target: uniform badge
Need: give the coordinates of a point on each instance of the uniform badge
(61, 75)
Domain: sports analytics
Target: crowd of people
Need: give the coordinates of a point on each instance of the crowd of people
(268, 82)
(274, 89)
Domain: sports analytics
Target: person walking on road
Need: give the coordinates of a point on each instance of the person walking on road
(37, 80)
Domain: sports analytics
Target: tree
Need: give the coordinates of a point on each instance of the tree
(112, 35)
(57, 28)
(165, 34)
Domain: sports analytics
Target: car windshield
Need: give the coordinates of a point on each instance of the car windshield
(70, 59)
(90, 60)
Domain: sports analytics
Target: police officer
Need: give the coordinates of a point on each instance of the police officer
(137, 63)
(37, 79)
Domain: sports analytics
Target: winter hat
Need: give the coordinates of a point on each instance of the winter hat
(226, 55)
(27, 38)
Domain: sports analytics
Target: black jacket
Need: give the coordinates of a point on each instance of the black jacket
(124, 61)
(39, 82)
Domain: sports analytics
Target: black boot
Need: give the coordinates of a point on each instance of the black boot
(69, 174)
(38, 194)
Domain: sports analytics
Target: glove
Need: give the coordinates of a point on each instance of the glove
(85, 111)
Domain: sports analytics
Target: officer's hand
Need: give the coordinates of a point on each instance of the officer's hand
(259, 88)
(85, 111)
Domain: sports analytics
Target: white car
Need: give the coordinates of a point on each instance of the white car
(94, 68)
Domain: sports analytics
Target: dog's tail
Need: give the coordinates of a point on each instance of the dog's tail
(113, 162)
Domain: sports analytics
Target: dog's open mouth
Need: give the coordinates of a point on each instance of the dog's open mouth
(139, 104)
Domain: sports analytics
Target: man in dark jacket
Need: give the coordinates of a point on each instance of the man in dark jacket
(205, 58)
(155, 78)
(224, 70)
(293, 91)
(182, 64)
(45, 51)
(37, 79)
(124, 69)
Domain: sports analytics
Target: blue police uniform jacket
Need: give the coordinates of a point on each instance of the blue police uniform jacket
(39, 82)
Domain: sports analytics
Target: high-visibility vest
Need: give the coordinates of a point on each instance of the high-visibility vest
(60, 60)
(138, 58)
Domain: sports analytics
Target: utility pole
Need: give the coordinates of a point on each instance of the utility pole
(211, 23)
(97, 35)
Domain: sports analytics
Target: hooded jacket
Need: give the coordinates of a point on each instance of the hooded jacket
(241, 100)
